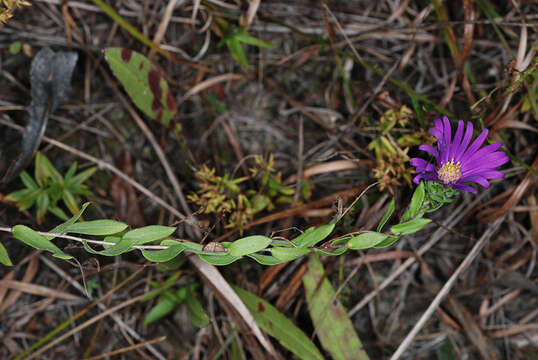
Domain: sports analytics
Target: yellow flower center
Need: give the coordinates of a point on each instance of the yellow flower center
(450, 172)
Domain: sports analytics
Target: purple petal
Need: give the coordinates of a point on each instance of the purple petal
(457, 140)
(430, 149)
(422, 165)
(475, 146)
(447, 133)
(438, 132)
(464, 188)
(476, 179)
(417, 178)
(480, 154)
(489, 162)
(465, 142)
(438, 124)
(491, 174)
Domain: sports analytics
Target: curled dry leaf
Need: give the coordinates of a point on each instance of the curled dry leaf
(50, 78)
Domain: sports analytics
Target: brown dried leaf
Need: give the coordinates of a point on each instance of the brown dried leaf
(127, 205)
(468, 29)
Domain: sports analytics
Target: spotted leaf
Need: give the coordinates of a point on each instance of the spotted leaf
(144, 83)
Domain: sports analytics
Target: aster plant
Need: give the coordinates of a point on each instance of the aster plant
(458, 163)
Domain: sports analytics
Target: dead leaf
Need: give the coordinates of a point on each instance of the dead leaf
(50, 78)
(126, 204)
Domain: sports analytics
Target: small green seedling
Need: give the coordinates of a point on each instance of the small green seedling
(48, 187)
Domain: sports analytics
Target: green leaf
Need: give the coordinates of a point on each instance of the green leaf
(28, 181)
(246, 38)
(288, 254)
(259, 202)
(97, 227)
(366, 240)
(281, 243)
(334, 328)
(418, 110)
(121, 246)
(45, 170)
(15, 47)
(312, 237)
(18, 195)
(387, 242)
(265, 259)
(70, 201)
(249, 245)
(236, 49)
(168, 303)
(148, 234)
(192, 247)
(33, 239)
(144, 83)
(195, 310)
(70, 172)
(42, 204)
(160, 256)
(336, 252)
(416, 202)
(276, 324)
(163, 308)
(219, 260)
(24, 198)
(4, 257)
(81, 177)
(56, 211)
(386, 216)
(410, 226)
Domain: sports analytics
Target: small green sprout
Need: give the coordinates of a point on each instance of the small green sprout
(49, 186)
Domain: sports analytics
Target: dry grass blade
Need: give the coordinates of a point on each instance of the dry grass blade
(128, 348)
(29, 288)
(29, 274)
(251, 13)
(161, 30)
(531, 199)
(210, 82)
(468, 29)
(329, 167)
(513, 330)
(521, 50)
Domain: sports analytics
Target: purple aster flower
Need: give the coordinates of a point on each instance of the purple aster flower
(457, 161)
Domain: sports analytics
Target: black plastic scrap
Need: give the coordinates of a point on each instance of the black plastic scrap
(50, 78)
